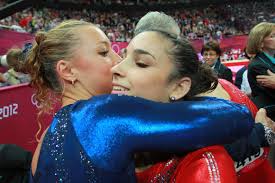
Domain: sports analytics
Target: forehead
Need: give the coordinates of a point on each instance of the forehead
(210, 51)
(92, 35)
(152, 42)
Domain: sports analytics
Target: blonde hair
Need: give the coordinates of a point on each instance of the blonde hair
(257, 35)
(59, 43)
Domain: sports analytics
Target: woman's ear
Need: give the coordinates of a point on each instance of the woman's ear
(65, 71)
(180, 88)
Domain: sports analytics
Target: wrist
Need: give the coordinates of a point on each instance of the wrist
(269, 135)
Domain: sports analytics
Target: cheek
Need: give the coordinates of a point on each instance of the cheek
(101, 79)
(148, 85)
(213, 59)
(272, 42)
(99, 68)
(95, 71)
(103, 73)
(269, 42)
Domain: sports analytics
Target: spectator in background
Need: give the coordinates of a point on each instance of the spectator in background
(217, 21)
(261, 41)
(15, 75)
(211, 53)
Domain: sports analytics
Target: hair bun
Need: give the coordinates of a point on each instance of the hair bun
(40, 37)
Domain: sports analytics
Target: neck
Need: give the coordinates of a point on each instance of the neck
(269, 52)
(74, 93)
(214, 63)
(218, 92)
(67, 100)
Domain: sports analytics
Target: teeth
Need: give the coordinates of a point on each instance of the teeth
(118, 88)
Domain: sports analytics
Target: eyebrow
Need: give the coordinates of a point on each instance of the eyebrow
(104, 42)
(140, 51)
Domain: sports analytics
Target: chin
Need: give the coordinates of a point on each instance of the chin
(106, 92)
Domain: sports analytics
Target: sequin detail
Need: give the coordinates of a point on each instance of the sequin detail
(89, 168)
(269, 135)
(213, 169)
(167, 172)
(55, 144)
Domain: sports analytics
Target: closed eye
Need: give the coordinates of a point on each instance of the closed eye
(104, 53)
(141, 65)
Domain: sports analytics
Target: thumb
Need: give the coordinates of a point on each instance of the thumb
(270, 73)
(262, 110)
(261, 116)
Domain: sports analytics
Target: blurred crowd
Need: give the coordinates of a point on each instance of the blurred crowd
(212, 22)
(14, 61)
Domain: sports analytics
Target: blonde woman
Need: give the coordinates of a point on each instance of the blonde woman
(261, 42)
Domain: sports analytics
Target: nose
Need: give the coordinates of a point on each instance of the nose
(207, 56)
(118, 70)
(115, 58)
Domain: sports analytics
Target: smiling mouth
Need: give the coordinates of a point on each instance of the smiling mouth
(119, 90)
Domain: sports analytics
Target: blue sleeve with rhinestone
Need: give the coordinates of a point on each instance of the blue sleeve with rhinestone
(114, 127)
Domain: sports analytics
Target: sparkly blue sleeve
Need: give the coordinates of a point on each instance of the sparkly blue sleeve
(114, 127)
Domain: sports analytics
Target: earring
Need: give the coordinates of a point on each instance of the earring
(172, 98)
(72, 82)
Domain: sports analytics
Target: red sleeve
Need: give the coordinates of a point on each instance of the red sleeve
(207, 165)
(150, 174)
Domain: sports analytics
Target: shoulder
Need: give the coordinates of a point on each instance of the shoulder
(207, 164)
(258, 61)
(255, 63)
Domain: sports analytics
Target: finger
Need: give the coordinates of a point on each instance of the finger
(266, 85)
(261, 77)
(262, 83)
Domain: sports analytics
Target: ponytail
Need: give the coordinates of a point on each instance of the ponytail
(187, 64)
(203, 81)
(48, 48)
